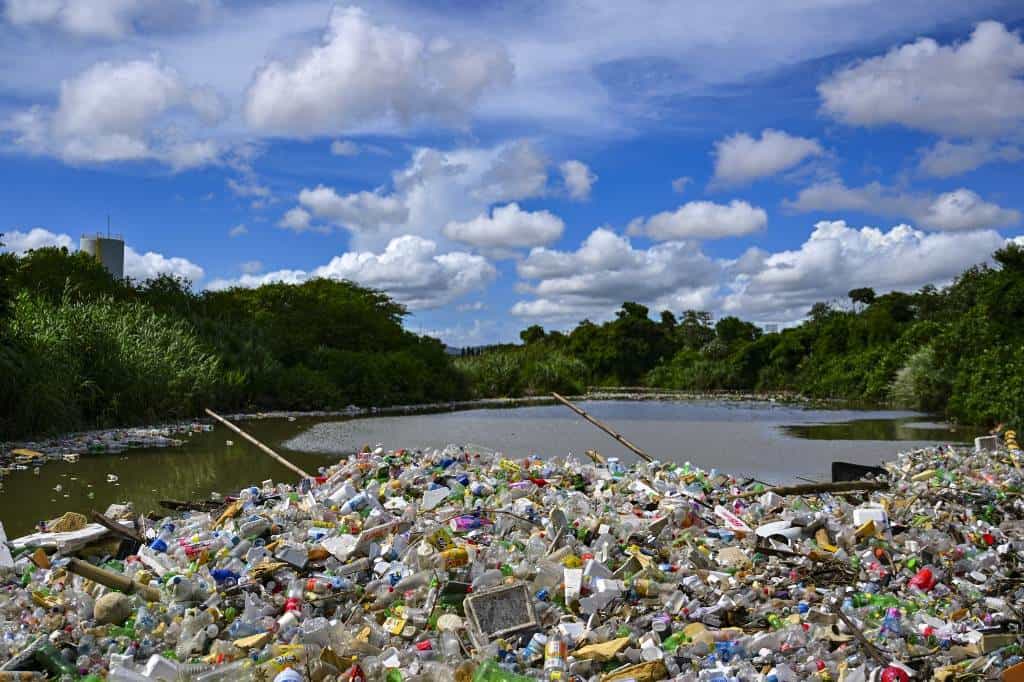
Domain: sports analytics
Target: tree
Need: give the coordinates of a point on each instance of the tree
(668, 321)
(863, 295)
(732, 330)
(532, 334)
(694, 331)
(8, 264)
(819, 311)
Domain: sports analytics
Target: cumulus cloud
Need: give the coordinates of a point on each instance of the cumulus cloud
(578, 178)
(111, 111)
(507, 227)
(363, 73)
(238, 230)
(702, 220)
(143, 266)
(945, 159)
(360, 211)
(740, 158)
(250, 281)
(410, 269)
(961, 209)
(137, 266)
(606, 270)
(296, 219)
(104, 18)
(782, 286)
(344, 148)
(19, 242)
(435, 188)
(967, 89)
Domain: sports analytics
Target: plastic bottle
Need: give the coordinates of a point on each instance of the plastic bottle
(163, 539)
(555, 653)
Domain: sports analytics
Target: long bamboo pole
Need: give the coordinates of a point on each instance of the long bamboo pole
(617, 436)
(258, 444)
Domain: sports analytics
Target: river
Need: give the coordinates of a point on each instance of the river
(772, 442)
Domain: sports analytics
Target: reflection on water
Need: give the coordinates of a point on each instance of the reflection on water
(772, 442)
(884, 429)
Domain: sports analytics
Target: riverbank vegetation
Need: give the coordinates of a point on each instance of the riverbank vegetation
(79, 349)
(957, 351)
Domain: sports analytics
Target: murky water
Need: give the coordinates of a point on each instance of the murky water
(771, 442)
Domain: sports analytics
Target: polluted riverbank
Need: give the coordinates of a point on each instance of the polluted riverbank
(460, 564)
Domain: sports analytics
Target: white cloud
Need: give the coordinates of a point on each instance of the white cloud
(248, 188)
(702, 220)
(680, 183)
(946, 159)
(147, 265)
(740, 158)
(297, 219)
(507, 227)
(185, 155)
(344, 148)
(36, 238)
(781, 287)
(434, 189)
(238, 230)
(606, 270)
(248, 281)
(360, 211)
(109, 19)
(578, 178)
(961, 209)
(410, 269)
(363, 73)
(971, 88)
(111, 112)
(251, 267)
(137, 266)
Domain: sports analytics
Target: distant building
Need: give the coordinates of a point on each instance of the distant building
(107, 249)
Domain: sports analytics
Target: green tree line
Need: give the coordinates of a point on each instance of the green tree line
(957, 351)
(80, 349)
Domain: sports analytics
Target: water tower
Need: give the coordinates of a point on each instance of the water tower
(107, 249)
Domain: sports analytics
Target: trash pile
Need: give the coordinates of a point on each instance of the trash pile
(110, 441)
(462, 565)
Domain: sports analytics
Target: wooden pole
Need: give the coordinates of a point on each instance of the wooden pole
(113, 580)
(817, 488)
(258, 444)
(617, 436)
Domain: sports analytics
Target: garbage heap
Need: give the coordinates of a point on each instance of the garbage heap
(462, 565)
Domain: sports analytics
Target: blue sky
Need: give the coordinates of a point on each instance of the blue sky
(496, 165)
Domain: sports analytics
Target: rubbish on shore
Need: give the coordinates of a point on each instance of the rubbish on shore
(70, 448)
(469, 565)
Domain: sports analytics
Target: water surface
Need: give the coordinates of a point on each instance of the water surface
(771, 442)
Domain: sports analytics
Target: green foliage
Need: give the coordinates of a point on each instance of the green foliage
(80, 349)
(101, 362)
(84, 349)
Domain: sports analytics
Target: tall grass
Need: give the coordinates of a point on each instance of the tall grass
(101, 362)
(524, 371)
